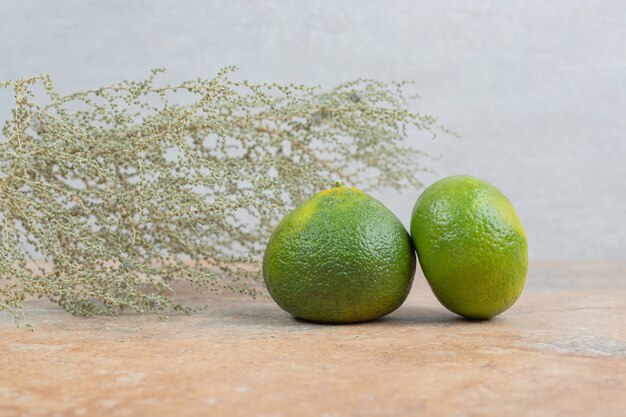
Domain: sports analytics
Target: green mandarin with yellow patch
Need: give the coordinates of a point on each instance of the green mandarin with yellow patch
(340, 257)
(471, 246)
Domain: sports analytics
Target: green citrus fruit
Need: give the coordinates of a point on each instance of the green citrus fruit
(471, 246)
(340, 257)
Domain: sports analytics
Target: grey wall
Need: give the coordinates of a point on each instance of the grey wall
(537, 89)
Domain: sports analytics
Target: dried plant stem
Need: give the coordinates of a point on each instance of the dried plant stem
(122, 190)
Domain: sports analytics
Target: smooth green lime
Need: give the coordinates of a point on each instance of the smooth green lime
(471, 246)
(340, 257)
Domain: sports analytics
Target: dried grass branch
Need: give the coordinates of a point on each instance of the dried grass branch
(124, 189)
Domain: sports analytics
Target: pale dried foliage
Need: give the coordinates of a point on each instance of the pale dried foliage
(109, 196)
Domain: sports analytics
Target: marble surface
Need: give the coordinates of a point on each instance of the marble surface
(561, 350)
(536, 89)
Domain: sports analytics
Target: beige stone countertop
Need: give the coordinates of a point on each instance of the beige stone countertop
(560, 351)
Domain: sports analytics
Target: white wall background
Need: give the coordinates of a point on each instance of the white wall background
(537, 89)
